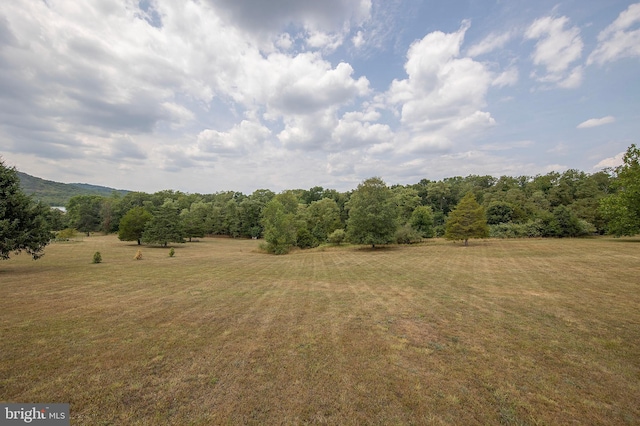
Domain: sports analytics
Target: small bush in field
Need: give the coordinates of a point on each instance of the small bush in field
(65, 234)
(138, 255)
(97, 257)
(407, 235)
(172, 252)
(337, 237)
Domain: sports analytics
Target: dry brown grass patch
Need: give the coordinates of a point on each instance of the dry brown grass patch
(507, 331)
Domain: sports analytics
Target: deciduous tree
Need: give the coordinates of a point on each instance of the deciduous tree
(133, 223)
(422, 221)
(622, 209)
(84, 213)
(372, 214)
(279, 221)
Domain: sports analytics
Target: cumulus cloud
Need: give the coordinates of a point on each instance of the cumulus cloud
(558, 46)
(595, 122)
(444, 94)
(237, 141)
(618, 40)
(611, 162)
(304, 84)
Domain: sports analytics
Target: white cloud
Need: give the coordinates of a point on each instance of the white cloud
(618, 40)
(327, 42)
(556, 49)
(358, 39)
(302, 84)
(610, 162)
(442, 98)
(509, 77)
(490, 43)
(238, 141)
(356, 129)
(594, 122)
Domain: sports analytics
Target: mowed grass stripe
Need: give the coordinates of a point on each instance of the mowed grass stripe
(511, 331)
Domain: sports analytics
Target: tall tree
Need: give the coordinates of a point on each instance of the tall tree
(194, 219)
(422, 221)
(323, 217)
(133, 223)
(165, 226)
(372, 214)
(407, 199)
(279, 221)
(622, 209)
(466, 221)
(23, 223)
(84, 213)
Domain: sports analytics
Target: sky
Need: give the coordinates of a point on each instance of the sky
(217, 95)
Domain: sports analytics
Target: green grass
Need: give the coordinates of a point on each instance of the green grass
(537, 332)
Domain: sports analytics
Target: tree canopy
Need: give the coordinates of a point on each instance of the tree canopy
(133, 223)
(23, 222)
(622, 209)
(373, 214)
(165, 226)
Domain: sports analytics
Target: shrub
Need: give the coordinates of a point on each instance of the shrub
(172, 252)
(407, 235)
(337, 237)
(304, 239)
(438, 230)
(65, 234)
(509, 230)
(138, 255)
(97, 257)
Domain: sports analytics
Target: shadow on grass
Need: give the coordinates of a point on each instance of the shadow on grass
(377, 249)
(626, 240)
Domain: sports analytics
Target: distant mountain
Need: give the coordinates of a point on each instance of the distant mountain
(59, 194)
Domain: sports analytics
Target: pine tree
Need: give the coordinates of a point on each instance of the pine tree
(23, 223)
(466, 221)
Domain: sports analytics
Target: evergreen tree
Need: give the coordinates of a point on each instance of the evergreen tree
(23, 223)
(372, 214)
(165, 226)
(466, 221)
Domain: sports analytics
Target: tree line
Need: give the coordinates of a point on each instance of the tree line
(569, 204)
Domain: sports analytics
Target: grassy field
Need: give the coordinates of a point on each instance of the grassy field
(539, 332)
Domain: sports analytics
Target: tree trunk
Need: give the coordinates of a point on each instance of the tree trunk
(466, 242)
(138, 241)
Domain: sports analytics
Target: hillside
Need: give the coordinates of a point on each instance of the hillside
(57, 193)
